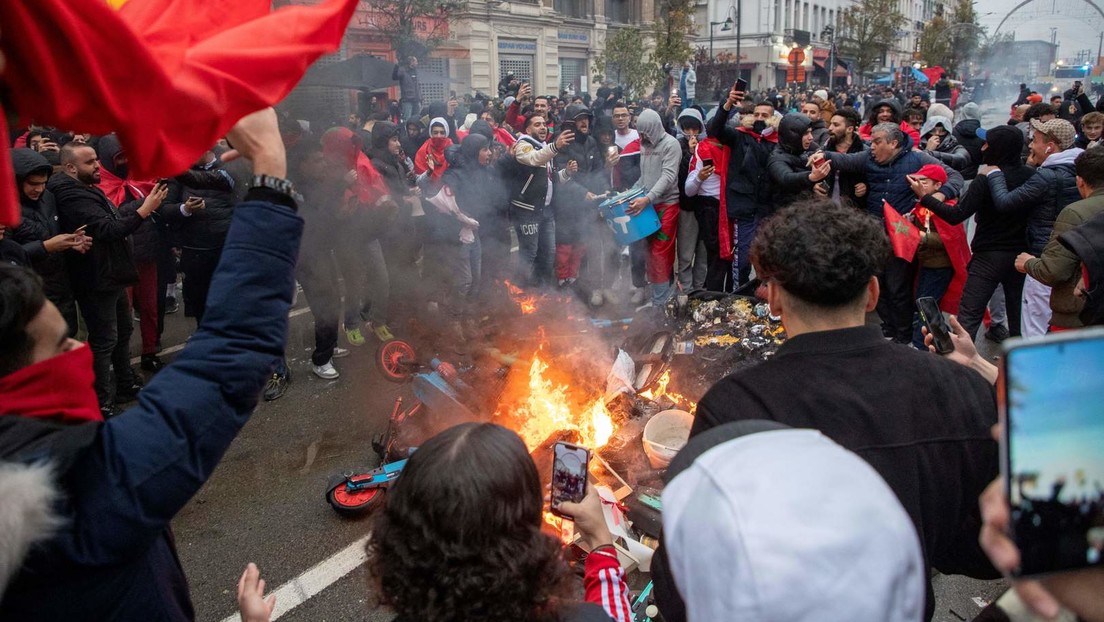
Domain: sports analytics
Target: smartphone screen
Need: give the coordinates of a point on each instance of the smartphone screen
(1053, 450)
(933, 318)
(740, 85)
(569, 473)
(707, 162)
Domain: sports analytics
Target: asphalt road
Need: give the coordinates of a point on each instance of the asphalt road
(265, 502)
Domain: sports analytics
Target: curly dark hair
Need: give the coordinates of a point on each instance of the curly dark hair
(21, 298)
(820, 252)
(460, 536)
(1038, 110)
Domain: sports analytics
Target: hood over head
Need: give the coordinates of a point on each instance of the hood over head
(790, 130)
(108, 149)
(441, 122)
(482, 128)
(970, 111)
(27, 161)
(745, 522)
(940, 110)
(470, 147)
(574, 111)
(929, 125)
(438, 109)
(650, 126)
(689, 116)
(1005, 146)
(892, 103)
(382, 132)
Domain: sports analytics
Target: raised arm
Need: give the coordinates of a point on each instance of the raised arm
(1024, 198)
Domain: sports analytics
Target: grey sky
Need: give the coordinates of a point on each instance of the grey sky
(1078, 25)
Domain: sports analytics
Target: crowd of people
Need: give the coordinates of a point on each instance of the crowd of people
(413, 213)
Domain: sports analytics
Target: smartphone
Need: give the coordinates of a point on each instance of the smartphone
(674, 92)
(80, 230)
(741, 85)
(567, 126)
(1051, 450)
(707, 162)
(570, 464)
(933, 318)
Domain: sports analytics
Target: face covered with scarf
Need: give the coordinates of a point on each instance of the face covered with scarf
(431, 155)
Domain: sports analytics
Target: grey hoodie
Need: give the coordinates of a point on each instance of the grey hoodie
(659, 159)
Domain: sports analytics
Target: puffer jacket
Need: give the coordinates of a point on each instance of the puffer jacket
(965, 132)
(786, 165)
(1044, 196)
(949, 151)
(886, 182)
(39, 223)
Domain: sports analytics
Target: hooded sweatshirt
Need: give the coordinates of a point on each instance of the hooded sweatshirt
(39, 222)
(822, 538)
(949, 151)
(965, 132)
(434, 147)
(660, 154)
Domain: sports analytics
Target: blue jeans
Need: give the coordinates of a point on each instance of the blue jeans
(408, 109)
(743, 232)
(931, 282)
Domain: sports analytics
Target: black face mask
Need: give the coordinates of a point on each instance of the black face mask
(759, 126)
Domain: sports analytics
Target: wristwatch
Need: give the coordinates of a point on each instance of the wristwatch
(283, 186)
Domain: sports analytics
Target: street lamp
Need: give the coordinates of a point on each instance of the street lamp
(829, 34)
(728, 27)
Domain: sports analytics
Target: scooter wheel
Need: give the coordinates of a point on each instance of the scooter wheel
(393, 359)
(354, 503)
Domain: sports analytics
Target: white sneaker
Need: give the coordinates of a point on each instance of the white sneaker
(340, 353)
(612, 296)
(596, 298)
(325, 371)
(638, 296)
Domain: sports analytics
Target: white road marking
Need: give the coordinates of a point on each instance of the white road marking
(327, 572)
(180, 346)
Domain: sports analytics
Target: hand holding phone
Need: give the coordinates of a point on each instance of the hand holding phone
(932, 317)
(741, 85)
(569, 474)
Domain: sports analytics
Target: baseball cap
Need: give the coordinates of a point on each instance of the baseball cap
(933, 172)
(1060, 130)
(784, 524)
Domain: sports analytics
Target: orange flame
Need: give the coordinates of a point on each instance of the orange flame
(548, 408)
(660, 390)
(526, 302)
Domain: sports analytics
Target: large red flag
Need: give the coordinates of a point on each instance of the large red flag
(903, 235)
(168, 94)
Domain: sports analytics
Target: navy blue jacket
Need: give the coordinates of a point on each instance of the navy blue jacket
(1042, 196)
(886, 182)
(125, 479)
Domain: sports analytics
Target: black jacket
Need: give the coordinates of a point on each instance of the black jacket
(109, 264)
(749, 191)
(1042, 197)
(205, 229)
(407, 77)
(848, 181)
(920, 420)
(965, 132)
(787, 167)
(39, 223)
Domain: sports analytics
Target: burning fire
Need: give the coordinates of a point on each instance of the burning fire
(548, 408)
(660, 390)
(526, 302)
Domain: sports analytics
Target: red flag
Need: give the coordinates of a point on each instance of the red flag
(168, 95)
(903, 235)
(958, 249)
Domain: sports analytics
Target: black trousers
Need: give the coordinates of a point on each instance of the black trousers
(895, 303)
(317, 273)
(718, 276)
(986, 271)
(198, 267)
(107, 316)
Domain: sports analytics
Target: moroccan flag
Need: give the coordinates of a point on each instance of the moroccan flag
(903, 235)
(169, 76)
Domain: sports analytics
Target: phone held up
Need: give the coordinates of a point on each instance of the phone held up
(570, 465)
(707, 162)
(1051, 449)
(937, 325)
(741, 85)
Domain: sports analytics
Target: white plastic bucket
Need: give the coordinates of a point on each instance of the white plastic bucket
(665, 434)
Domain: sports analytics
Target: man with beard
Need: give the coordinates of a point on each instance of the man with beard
(101, 276)
(811, 109)
(843, 137)
(519, 112)
(40, 235)
(749, 192)
(529, 176)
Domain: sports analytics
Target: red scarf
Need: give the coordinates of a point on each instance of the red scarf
(958, 249)
(435, 147)
(117, 188)
(711, 148)
(58, 388)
